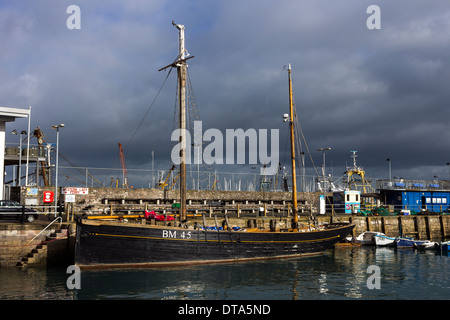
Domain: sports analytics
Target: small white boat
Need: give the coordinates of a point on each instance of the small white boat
(425, 245)
(383, 240)
(365, 238)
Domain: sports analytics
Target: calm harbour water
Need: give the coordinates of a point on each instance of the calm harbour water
(339, 273)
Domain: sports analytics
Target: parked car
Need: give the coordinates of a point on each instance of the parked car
(13, 210)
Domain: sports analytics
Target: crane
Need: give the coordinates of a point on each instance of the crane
(163, 184)
(124, 168)
(40, 138)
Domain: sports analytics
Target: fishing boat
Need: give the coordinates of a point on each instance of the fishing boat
(425, 245)
(365, 238)
(125, 244)
(443, 246)
(383, 240)
(404, 242)
(108, 244)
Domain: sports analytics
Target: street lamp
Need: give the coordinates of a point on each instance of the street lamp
(20, 151)
(390, 169)
(323, 168)
(324, 187)
(57, 126)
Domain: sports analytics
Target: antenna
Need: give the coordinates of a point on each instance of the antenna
(354, 157)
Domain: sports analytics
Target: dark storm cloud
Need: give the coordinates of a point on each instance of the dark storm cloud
(381, 92)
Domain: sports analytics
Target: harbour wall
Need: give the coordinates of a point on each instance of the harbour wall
(28, 244)
(434, 228)
(117, 200)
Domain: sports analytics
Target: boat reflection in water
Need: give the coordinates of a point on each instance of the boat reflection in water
(339, 273)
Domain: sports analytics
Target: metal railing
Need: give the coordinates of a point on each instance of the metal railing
(29, 242)
(404, 184)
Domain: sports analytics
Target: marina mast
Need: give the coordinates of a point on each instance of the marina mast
(291, 126)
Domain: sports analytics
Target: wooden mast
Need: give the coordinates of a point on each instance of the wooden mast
(291, 125)
(182, 70)
(181, 66)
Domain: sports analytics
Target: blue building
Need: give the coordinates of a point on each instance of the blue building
(415, 195)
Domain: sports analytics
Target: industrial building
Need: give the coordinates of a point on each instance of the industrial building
(415, 195)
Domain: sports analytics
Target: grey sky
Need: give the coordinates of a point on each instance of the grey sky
(382, 92)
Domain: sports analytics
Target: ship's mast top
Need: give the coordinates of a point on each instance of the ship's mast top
(181, 47)
(183, 54)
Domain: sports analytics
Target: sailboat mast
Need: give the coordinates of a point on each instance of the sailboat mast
(182, 70)
(291, 125)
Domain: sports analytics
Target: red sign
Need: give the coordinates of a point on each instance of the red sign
(75, 191)
(48, 196)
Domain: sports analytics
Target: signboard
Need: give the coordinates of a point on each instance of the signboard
(69, 198)
(31, 202)
(48, 196)
(75, 190)
(32, 191)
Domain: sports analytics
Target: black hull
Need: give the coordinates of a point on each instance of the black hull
(116, 244)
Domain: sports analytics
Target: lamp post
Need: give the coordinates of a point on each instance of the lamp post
(20, 152)
(390, 169)
(323, 166)
(57, 126)
(448, 164)
(323, 173)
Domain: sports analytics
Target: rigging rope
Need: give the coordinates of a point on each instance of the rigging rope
(300, 134)
(149, 108)
(192, 115)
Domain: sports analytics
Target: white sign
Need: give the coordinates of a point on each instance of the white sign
(322, 204)
(31, 201)
(69, 198)
(75, 191)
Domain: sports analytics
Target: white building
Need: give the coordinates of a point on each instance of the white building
(8, 115)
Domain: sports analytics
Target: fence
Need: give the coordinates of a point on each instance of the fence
(201, 178)
(404, 184)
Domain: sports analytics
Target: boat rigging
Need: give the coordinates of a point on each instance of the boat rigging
(114, 243)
